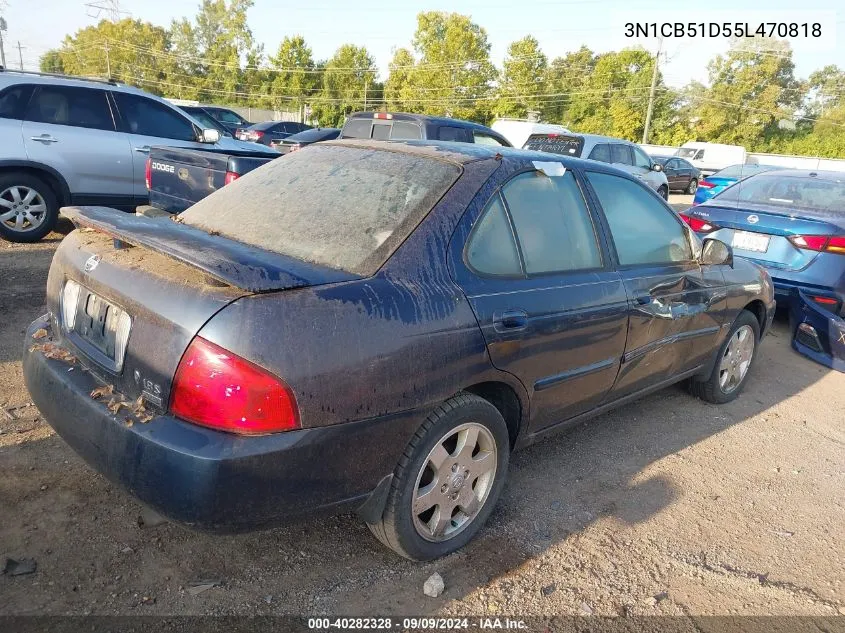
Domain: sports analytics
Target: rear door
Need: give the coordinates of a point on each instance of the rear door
(676, 307)
(672, 169)
(148, 122)
(552, 310)
(73, 130)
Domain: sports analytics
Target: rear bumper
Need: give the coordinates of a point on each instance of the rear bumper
(210, 480)
(824, 339)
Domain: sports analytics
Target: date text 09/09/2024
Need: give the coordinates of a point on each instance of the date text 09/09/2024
(723, 29)
(416, 624)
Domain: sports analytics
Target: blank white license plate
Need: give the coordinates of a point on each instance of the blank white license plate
(751, 241)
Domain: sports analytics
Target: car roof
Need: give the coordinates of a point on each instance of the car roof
(598, 138)
(817, 174)
(10, 78)
(425, 118)
(464, 153)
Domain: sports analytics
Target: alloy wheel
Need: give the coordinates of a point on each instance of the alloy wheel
(454, 482)
(737, 359)
(22, 208)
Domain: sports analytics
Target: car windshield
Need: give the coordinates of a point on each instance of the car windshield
(206, 121)
(343, 207)
(689, 152)
(789, 191)
(227, 116)
(662, 160)
(555, 144)
(742, 171)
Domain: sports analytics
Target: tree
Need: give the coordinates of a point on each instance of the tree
(347, 79)
(295, 79)
(566, 78)
(210, 51)
(399, 89)
(752, 89)
(826, 90)
(523, 79)
(130, 51)
(454, 74)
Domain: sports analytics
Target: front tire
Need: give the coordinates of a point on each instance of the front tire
(663, 190)
(29, 208)
(733, 362)
(692, 186)
(447, 481)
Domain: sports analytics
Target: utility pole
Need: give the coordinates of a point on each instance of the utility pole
(2, 50)
(651, 92)
(20, 53)
(365, 94)
(108, 62)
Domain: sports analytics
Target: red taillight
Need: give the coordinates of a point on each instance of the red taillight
(230, 177)
(706, 184)
(697, 224)
(148, 174)
(215, 388)
(257, 134)
(382, 115)
(829, 301)
(835, 244)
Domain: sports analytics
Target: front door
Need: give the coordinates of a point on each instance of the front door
(147, 123)
(676, 307)
(552, 310)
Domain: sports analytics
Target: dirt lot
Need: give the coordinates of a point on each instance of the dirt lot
(667, 506)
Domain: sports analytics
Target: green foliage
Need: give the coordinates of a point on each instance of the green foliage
(752, 97)
(523, 79)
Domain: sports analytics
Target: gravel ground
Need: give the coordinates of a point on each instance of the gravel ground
(667, 506)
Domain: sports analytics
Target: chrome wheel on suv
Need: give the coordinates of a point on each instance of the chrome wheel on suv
(29, 208)
(22, 208)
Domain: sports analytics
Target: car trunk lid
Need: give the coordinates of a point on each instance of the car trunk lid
(169, 279)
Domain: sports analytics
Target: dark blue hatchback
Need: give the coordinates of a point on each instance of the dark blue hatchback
(375, 326)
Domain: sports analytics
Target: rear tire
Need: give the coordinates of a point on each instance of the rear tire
(663, 190)
(29, 208)
(447, 481)
(733, 363)
(692, 186)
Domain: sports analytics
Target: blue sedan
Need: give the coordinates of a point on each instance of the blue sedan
(375, 326)
(718, 182)
(792, 222)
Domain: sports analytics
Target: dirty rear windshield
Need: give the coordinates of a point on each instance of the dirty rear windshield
(347, 208)
(555, 144)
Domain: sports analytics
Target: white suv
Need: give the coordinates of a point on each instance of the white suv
(80, 141)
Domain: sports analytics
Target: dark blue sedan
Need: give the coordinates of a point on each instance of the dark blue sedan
(374, 326)
(792, 222)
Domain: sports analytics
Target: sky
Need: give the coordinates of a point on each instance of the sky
(559, 25)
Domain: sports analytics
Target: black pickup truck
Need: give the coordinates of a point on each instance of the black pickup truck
(178, 177)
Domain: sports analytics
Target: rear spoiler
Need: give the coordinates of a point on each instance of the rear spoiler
(228, 261)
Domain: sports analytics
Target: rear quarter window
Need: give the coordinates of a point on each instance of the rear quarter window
(13, 101)
(405, 131)
(555, 144)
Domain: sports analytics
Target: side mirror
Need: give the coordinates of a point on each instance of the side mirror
(656, 167)
(209, 135)
(716, 252)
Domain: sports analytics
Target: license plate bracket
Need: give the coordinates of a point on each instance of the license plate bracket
(93, 318)
(749, 241)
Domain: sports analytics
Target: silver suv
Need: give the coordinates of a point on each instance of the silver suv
(620, 153)
(80, 141)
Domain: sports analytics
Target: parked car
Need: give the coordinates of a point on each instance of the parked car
(792, 222)
(716, 183)
(229, 119)
(178, 177)
(79, 141)
(711, 157)
(518, 131)
(298, 141)
(403, 127)
(618, 152)
(269, 131)
(680, 173)
(379, 342)
(206, 120)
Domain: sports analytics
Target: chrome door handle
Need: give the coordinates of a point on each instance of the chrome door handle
(144, 150)
(44, 138)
